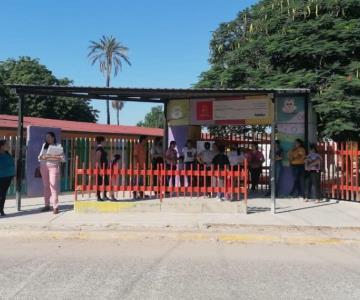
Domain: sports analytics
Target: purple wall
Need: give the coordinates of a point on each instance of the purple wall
(179, 134)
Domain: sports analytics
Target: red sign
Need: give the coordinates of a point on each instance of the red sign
(204, 110)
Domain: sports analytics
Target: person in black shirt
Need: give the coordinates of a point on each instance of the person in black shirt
(221, 162)
(102, 161)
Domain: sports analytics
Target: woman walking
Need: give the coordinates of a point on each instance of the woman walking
(7, 172)
(50, 171)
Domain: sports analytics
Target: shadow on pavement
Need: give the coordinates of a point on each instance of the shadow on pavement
(63, 208)
(253, 210)
(307, 207)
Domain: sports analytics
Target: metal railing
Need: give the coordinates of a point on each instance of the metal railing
(165, 180)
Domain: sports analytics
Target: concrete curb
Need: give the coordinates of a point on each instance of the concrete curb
(154, 205)
(280, 237)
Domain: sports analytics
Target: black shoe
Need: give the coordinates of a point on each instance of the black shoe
(99, 199)
(113, 199)
(46, 208)
(2, 213)
(106, 198)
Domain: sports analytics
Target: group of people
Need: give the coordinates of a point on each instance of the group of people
(306, 169)
(305, 166)
(187, 158)
(211, 155)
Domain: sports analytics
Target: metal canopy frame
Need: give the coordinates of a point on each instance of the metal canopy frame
(142, 94)
(150, 95)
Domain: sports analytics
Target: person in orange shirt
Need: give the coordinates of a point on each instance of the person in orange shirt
(140, 162)
(297, 162)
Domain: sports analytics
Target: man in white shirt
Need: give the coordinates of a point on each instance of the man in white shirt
(206, 156)
(205, 159)
(189, 154)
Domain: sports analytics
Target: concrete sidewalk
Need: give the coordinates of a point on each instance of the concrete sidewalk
(186, 213)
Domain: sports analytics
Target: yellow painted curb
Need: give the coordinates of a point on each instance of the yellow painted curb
(277, 239)
(102, 207)
(178, 236)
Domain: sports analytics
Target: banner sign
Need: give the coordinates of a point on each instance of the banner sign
(290, 121)
(250, 110)
(204, 110)
(242, 111)
(178, 112)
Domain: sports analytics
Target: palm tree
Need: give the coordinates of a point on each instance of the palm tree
(118, 105)
(110, 53)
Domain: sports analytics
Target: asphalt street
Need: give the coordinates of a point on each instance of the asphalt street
(170, 269)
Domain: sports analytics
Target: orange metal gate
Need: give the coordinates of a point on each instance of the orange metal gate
(159, 182)
(340, 170)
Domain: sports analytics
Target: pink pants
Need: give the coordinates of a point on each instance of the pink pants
(50, 174)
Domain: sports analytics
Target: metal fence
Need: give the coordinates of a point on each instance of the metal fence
(162, 181)
(340, 170)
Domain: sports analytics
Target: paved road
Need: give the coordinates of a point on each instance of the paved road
(166, 269)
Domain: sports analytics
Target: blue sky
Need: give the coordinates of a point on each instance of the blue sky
(168, 39)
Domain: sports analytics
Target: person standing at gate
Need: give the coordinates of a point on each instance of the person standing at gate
(189, 154)
(312, 174)
(101, 157)
(221, 162)
(256, 160)
(297, 162)
(157, 156)
(50, 172)
(7, 172)
(140, 163)
(114, 182)
(171, 159)
(205, 158)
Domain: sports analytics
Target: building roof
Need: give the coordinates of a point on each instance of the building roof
(156, 95)
(10, 122)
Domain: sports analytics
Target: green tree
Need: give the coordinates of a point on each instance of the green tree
(154, 119)
(26, 70)
(295, 44)
(117, 105)
(109, 53)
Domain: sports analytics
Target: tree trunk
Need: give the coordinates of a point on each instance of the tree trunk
(108, 100)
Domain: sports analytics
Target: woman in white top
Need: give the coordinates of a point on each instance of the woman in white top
(50, 172)
(236, 157)
(189, 155)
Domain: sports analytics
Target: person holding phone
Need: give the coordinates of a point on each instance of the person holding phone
(50, 171)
